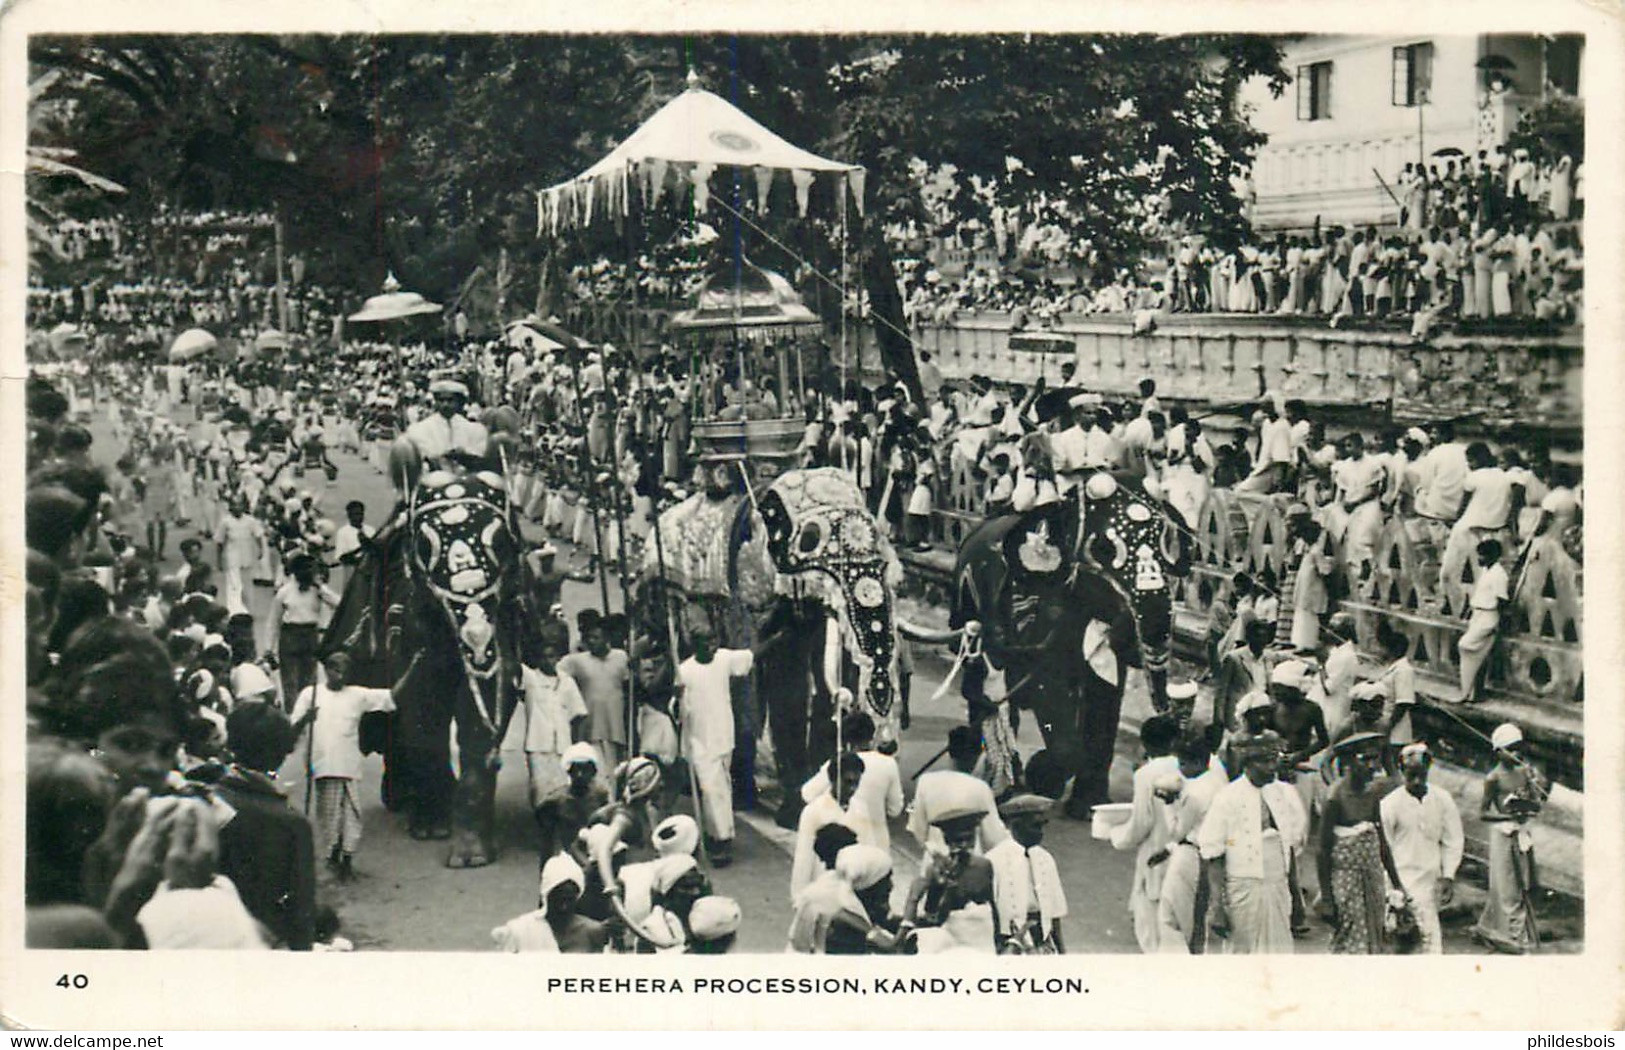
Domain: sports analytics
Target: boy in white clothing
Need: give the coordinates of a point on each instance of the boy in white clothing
(335, 756)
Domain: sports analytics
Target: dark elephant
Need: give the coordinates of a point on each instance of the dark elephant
(437, 609)
(1070, 596)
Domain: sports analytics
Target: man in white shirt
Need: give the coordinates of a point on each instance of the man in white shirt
(1274, 454)
(1149, 830)
(348, 542)
(446, 435)
(1355, 519)
(704, 682)
(555, 715)
(837, 805)
(879, 794)
(964, 749)
(240, 541)
(1487, 508)
(1423, 829)
(335, 756)
(1143, 445)
(1182, 927)
(1441, 474)
(1247, 839)
(1069, 449)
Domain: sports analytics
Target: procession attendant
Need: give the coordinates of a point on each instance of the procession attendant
(1182, 694)
(625, 820)
(600, 672)
(561, 888)
(1490, 593)
(1028, 901)
(1423, 829)
(239, 543)
(941, 789)
(865, 876)
(835, 805)
(296, 615)
(705, 703)
(1357, 872)
(879, 795)
(335, 707)
(349, 542)
(713, 923)
(1514, 792)
(1182, 907)
(678, 885)
(1149, 829)
(822, 901)
(554, 716)
(951, 902)
(1247, 840)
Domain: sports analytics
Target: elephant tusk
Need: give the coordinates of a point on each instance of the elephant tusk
(926, 635)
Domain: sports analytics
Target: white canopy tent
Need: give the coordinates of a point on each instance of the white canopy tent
(681, 147)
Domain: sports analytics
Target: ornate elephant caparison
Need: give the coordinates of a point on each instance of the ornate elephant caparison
(802, 561)
(437, 609)
(1070, 596)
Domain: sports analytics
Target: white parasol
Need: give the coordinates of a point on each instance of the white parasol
(192, 343)
(683, 144)
(394, 304)
(270, 339)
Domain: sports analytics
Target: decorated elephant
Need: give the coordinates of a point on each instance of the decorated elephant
(1069, 596)
(437, 609)
(800, 571)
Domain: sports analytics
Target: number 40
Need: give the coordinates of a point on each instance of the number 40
(75, 981)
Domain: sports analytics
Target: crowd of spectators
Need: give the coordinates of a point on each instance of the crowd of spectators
(1491, 237)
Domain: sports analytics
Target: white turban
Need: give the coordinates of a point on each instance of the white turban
(559, 869)
(863, 866)
(1506, 735)
(580, 751)
(668, 870)
(677, 835)
(714, 917)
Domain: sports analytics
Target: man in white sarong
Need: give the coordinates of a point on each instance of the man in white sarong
(1247, 839)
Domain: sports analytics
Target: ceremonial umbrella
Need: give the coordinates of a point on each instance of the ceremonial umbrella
(270, 339)
(394, 304)
(192, 343)
(1448, 151)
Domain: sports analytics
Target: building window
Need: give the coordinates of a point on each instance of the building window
(1413, 74)
(1315, 91)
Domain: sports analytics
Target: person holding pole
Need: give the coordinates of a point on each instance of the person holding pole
(706, 705)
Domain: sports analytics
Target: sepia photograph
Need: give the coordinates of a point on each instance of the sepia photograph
(792, 493)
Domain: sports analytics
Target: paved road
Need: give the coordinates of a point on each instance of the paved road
(404, 899)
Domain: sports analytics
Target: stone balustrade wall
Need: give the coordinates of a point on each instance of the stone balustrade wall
(1228, 358)
(1539, 657)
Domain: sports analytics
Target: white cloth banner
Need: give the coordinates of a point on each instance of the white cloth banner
(701, 176)
(803, 180)
(657, 180)
(764, 187)
(854, 179)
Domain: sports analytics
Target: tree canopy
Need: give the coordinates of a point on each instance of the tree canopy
(421, 154)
